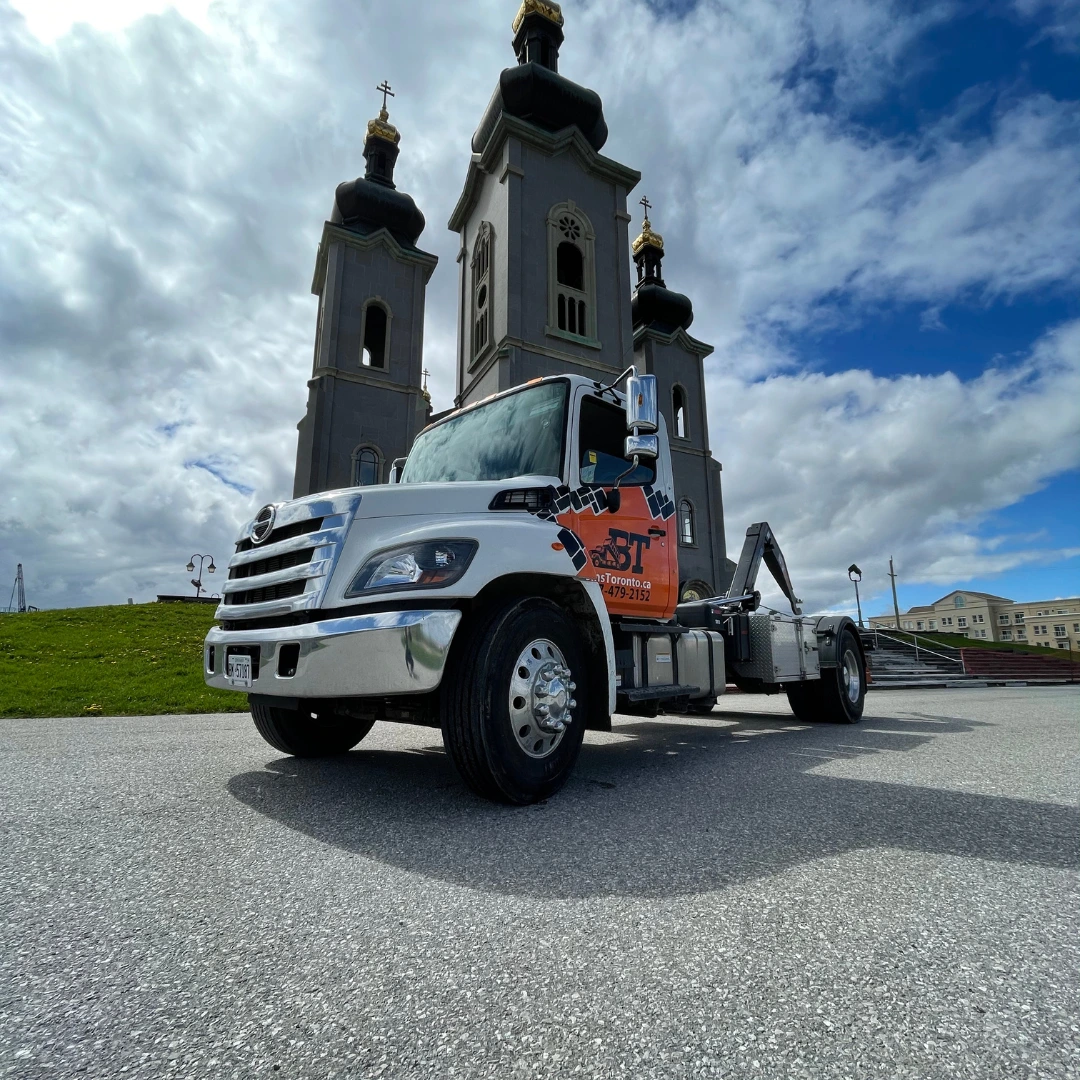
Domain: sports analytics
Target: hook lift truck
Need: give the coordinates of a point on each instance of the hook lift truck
(515, 584)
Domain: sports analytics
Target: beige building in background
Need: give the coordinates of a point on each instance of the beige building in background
(1054, 624)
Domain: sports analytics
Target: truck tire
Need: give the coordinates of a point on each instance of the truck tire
(308, 732)
(806, 701)
(839, 695)
(519, 673)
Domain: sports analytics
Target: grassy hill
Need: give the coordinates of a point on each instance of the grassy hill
(130, 660)
(958, 641)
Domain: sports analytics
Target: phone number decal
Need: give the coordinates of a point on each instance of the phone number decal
(627, 592)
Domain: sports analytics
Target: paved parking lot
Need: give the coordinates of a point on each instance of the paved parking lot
(735, 896)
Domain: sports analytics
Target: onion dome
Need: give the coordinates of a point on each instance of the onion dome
(534, 90)
(653, 303)
(372, 201)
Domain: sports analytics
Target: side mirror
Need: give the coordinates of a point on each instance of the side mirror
(642, 446)
(395, 470)
(642, 413)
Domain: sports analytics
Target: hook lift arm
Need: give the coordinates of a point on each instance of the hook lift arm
(761, 544)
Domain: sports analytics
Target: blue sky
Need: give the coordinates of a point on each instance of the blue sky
(874, 207)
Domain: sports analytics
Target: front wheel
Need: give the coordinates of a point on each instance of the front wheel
(514, 702)
(309, 731)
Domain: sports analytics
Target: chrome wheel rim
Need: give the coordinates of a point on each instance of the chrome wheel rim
(541, 698)
(852, 678)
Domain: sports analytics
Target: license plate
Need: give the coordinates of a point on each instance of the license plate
(238, 670)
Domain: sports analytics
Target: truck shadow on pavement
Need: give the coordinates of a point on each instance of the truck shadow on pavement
(662, 808)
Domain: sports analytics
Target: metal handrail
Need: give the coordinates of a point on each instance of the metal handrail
(915, 641)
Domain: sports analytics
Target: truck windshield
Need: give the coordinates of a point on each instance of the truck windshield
(521, 434)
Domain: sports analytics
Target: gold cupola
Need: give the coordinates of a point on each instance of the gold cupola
(380, 127)
(551, 12)
(648, 238)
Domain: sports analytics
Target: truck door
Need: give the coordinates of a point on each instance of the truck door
(632, 553)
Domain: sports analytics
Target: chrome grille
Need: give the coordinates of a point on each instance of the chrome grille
(289, 571)
(271, 565)
(282, 532)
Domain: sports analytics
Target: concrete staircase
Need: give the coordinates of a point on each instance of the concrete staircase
(907, 660)
(910, 660)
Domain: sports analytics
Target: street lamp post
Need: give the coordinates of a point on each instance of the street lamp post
(197, 582)
(855, 574)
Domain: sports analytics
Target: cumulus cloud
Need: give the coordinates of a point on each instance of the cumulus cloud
(165, 178)
(869, 467)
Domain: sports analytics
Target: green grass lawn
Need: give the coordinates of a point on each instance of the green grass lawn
(130, 660)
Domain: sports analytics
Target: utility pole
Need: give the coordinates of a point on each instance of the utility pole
(20, 587)
(896, 606)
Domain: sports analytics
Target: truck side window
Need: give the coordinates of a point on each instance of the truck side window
(601, 435)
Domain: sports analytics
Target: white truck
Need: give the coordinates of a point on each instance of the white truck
(515, 584)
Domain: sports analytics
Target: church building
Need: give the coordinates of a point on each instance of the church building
(546, 286)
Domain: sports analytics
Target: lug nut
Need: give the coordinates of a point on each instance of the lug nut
(571, 704)
(542, 710)
(571, 686)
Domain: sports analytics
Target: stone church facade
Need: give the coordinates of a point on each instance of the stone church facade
(546, 286)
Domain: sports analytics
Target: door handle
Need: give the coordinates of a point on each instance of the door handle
(654, 531)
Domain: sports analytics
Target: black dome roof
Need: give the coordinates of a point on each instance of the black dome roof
(656, 305)
(370, 205)
(543, 97)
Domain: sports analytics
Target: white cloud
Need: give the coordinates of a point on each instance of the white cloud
(165, 179)
(853, 467)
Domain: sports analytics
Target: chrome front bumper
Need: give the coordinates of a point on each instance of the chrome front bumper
(390, 652)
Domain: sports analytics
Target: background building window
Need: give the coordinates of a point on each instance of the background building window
(367, 466)
(1006, 635)
(1003, 620)
(572, 276)
(686, 523)
(961, 621)
(958, 601)
(1019, 617)
(481, 276)
(376, 327)
(678, 408)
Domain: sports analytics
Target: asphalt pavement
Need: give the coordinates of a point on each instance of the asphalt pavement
(736, 895)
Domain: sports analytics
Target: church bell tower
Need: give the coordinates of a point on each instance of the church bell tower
(662, 347)
(544, 251)
(366, 402)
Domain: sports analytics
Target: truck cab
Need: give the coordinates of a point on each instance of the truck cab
(516, 585)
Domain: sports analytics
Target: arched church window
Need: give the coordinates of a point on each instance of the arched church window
(570, 266)
(376, 335)
(572, 274)
(686, 522)
(678, 407)
(367, 466)
(481, 278)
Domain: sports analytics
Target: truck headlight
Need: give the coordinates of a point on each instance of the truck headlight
(431, 564)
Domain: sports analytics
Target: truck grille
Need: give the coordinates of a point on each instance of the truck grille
(282, 532)
(289, 571)
(269, 592)
(271, 565)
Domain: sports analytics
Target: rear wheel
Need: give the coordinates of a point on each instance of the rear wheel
(839, 695)
(309, 731)
(514, 702)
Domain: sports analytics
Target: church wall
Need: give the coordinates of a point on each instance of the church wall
(550, 180)
(696, 473)
(372, 273)
(491, 205)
